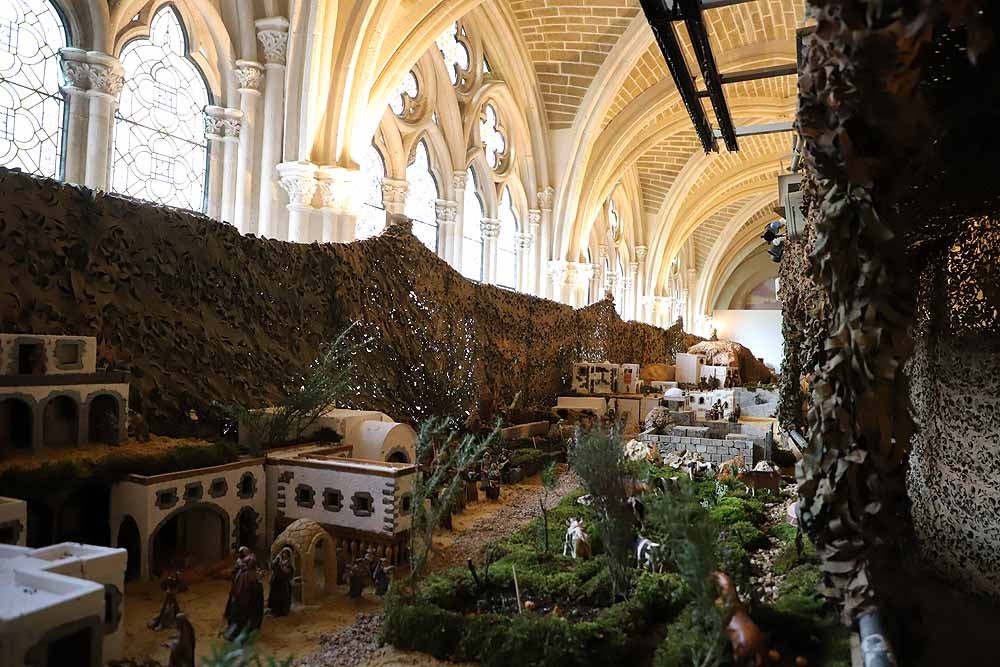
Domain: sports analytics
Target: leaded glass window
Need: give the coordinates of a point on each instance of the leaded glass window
(407, 89)
(507, 242)
(371, 220)
(420, 198)
(31, 106)
(160, 150)
(472, 235)
(493, 139)
(456, 56)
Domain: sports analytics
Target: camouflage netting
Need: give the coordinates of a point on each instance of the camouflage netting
(731, 353)
(885, 120)
(202, 314)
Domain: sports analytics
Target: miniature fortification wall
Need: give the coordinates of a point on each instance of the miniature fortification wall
(712, 450)
(180, 298)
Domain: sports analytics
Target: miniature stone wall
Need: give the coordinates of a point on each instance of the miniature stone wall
(202, 314)
(712, 450)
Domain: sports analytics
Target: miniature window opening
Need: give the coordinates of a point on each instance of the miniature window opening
(218, 488)
(247, 486)
(701, 400)
(408, 89)
(30, 359)
(193, 492)
(305, 495)
(68, 354)
(362, 504)
(166, 498)
(406, 504)
(333, 500)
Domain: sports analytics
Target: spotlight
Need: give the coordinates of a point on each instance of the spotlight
(777, 249)
(771, 230)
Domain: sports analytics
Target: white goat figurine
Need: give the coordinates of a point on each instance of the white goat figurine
(647, 555)
(577, 542)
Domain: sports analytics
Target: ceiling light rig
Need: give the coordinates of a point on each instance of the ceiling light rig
(661, 15)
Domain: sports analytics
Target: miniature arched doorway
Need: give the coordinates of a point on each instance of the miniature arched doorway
(103, 419)
(61, 422)
(315, 558)
(130, 541)
(16, 424)
(195, 533)
(398, 456)
(245, 528)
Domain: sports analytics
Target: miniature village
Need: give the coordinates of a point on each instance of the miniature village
(366, 333)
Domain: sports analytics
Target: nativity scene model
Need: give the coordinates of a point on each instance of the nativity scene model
(368, 333)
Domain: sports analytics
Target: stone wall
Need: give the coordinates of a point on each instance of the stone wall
(712, 450)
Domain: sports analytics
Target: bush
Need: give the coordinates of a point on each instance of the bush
(686, 644)
(784, 532)
(789, 557)
(746, 535)
(663, 594)
(421, 627)
(731, 510)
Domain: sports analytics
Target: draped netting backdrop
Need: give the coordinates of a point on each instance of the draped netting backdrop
(205, 316)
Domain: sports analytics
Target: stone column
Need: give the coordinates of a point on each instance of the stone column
(627, 287)
(601, 272)
(535, 267)
(557, 273)
(106, 78)
(633, 301)
(523, 242)
(490, 229)
(338, 197)
(611, 284)
(298, 179)
(584, 275)
(458, 184)
(445, 213)
(250, 80)
(394, 195)
(232, 125)
(77, 75)
(273, 36)
(544, 240)
(215, 133)
(640, 284)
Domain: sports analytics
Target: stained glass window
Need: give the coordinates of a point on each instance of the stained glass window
(507, 242)
(420, 198)
(407, 88)
(456, 56)
(493, 139)
(160, 151)
(31, 106)
(472, 237)
(371, 220)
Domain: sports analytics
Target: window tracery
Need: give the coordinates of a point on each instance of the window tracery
(472, 237)
(371, 220)
(454, 52)
(506, 275)
(31, 106)
(421, 196)
(160, 150)
(405, 95)
(493, 140)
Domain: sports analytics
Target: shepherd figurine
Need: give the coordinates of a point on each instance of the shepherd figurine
(577, 542)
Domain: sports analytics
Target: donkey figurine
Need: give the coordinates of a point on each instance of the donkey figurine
(577, 542)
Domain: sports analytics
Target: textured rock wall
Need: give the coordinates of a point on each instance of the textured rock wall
(955, 390)
(203, 315)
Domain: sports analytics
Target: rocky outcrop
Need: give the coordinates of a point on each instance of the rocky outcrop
(730, 353)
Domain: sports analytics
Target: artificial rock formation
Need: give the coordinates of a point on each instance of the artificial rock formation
(731, 353)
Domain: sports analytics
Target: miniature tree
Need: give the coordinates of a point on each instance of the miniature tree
(307, 397)
(549, 480)
(599, 460)
(445, 458)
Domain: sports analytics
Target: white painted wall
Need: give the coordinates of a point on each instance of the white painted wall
(759, 330)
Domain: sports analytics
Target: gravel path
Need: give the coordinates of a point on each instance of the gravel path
(490, 520)
(764, 578)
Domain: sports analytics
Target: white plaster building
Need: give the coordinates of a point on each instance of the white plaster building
(61, 605)
(52, 395)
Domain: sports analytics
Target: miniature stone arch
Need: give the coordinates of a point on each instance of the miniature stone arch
(308, 540)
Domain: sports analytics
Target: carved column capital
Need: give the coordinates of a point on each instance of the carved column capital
(222, 123)
(459, 180)
(534, 217)
(337, 189)
(298, 179)
(91, 71)
(523, 241)
(272, 33)
(445, 211)
(394, 191)
(249, 76)
(490, 228)
(640, 252)
(545, 199)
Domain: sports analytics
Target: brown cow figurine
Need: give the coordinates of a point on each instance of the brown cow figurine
(760, 479)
